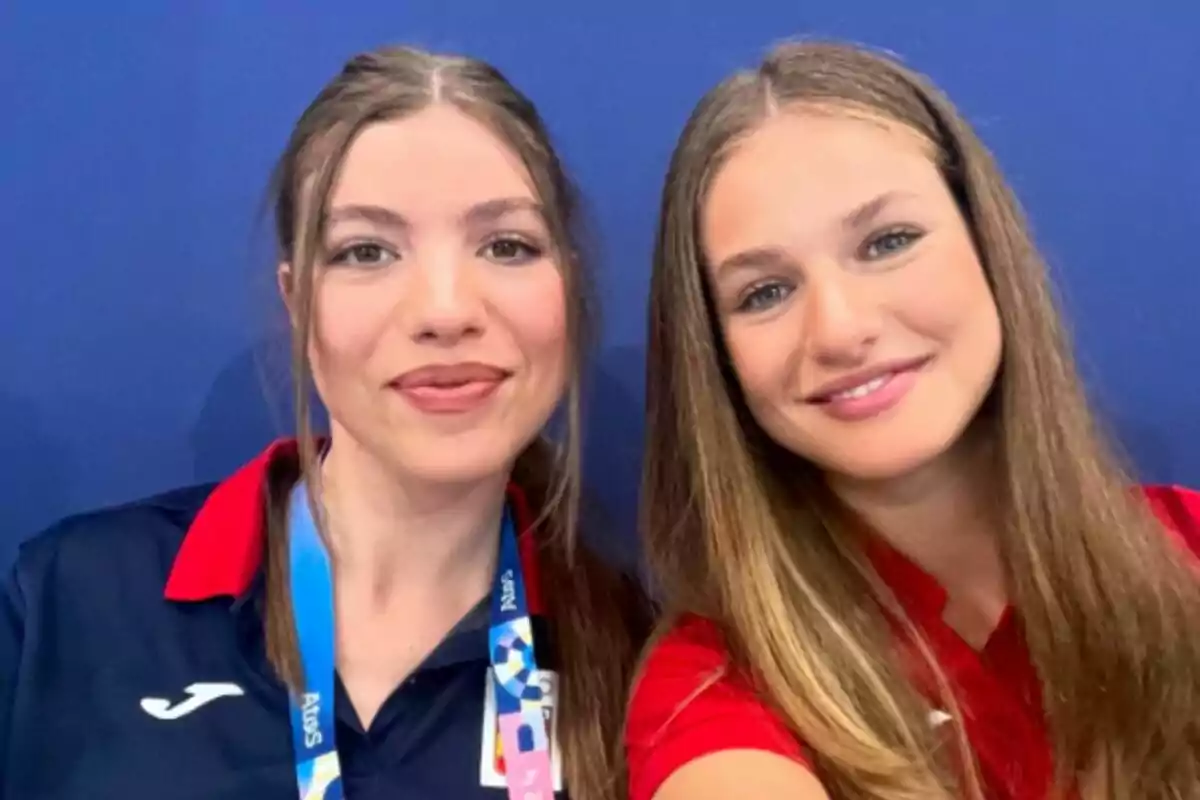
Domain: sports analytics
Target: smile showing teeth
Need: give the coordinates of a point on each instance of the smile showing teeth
(862, 390)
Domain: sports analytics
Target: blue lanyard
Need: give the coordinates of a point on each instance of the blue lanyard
(519, 701)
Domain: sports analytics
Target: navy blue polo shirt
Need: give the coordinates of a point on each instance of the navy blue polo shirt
(132, 665)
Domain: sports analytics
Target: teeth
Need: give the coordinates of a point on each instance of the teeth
(862, 390)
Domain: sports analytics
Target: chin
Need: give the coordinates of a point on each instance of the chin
(874, 470)
(451, 463)
(463, 469)
(892, 461)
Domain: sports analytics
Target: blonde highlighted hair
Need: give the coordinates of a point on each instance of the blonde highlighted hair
(746, 534)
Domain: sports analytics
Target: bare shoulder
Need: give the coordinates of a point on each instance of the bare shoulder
(741, 775)
(699, 728)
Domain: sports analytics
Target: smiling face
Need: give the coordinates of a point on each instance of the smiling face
(439, 334)
(850, 296)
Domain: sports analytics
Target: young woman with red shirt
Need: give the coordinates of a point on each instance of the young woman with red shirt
(899, 557)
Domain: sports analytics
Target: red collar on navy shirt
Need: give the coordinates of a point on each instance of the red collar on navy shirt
(223, 550)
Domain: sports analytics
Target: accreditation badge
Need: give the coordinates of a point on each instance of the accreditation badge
(491, 758)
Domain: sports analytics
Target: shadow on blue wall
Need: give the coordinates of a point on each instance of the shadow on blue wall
(35, 465)
(614, 426)
(248, 406)
(1148, 452)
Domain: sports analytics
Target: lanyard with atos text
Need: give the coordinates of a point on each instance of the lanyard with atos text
(514, 672)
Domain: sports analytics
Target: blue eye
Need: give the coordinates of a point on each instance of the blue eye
(363, 254)
(889, 243)
(764, 296)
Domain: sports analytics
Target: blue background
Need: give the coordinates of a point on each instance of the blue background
(140, 336)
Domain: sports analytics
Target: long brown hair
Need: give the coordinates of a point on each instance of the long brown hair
(739, 531)
(597, 619)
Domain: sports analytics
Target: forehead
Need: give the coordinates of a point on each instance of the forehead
(807, 168)
(438, 159)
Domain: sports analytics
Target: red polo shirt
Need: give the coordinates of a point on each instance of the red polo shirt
(679, 714)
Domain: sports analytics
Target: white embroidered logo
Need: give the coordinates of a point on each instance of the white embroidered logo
(201, 694)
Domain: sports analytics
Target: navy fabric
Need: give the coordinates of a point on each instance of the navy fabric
(86, 635)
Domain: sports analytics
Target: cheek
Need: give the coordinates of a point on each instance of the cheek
(952, 306)
(761, 356)
(347, 325)
(537, 316)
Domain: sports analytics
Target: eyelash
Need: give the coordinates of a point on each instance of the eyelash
(342, 255)
(528, 250)
(752, 298)
(772, 292)
(345, 255)
(908, 236)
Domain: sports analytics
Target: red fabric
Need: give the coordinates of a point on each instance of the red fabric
(679, 714)
(223, 549)
(1179, 510)
(685, 706)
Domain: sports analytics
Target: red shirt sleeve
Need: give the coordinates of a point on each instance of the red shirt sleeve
(1179, 510)
(685, 705)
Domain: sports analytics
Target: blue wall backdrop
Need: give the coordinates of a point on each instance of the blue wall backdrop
(138, 322)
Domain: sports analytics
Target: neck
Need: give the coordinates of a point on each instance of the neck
(393, 535)
(942, 517)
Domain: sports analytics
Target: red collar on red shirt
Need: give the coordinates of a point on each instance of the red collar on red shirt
(924, 598)
(997, 685)
(1179, 510)
(915, 589)
(223, 550)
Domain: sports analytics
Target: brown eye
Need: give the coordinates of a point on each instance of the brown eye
(363, 254)
(510, 250)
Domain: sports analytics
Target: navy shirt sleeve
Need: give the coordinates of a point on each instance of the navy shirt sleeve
(87, 638)
(12, 632)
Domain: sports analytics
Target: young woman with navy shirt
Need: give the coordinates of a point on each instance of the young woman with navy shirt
(900, 560)
(403, 609)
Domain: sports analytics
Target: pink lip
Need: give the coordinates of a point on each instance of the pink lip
(898, 378)
(450, 388)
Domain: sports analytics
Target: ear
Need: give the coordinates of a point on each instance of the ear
(286, 279)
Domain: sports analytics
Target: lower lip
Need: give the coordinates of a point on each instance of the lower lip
(886, 397)
(450, 399)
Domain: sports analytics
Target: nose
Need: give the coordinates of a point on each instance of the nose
(445, 301)
(841, 320)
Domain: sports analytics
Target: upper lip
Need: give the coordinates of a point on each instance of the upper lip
(847, 382)
(449, 375)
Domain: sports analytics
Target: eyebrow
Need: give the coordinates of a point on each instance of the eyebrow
(377, 215)
(755, 258)
(773, 257)
(491, 210)
(479, 214)
(871, 209)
